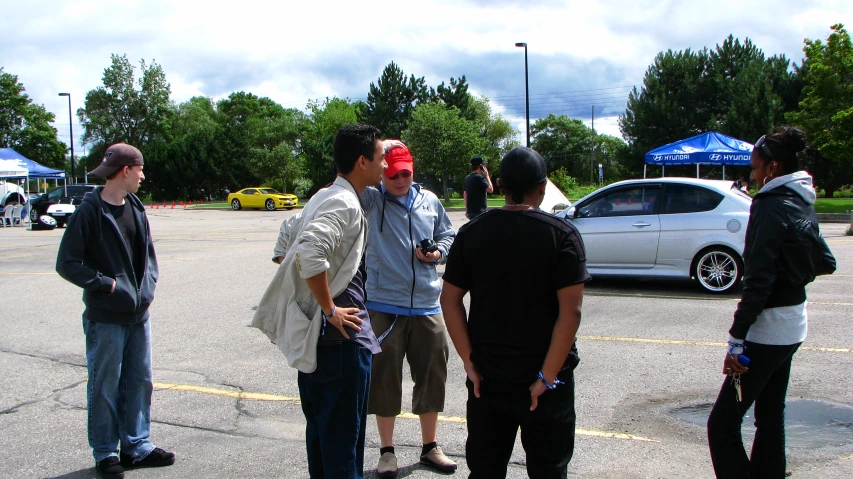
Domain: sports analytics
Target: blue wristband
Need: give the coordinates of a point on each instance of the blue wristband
(323, 315)
(557, 382)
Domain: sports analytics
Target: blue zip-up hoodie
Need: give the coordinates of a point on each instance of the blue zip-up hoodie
(397, 281)
(93, 253)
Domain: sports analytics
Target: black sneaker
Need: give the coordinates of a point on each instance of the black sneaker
(110, 468)
(156, 458)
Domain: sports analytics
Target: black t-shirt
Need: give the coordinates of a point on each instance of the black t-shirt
(513, 263)
(128, 229)
(475, 186)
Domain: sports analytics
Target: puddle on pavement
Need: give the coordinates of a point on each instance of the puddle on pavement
(808, 424)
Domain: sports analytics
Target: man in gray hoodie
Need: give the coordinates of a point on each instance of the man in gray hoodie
(409, 234)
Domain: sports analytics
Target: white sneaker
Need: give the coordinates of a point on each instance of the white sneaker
(387, 466)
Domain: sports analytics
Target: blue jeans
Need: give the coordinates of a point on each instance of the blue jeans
(118, 357)
(334, 401)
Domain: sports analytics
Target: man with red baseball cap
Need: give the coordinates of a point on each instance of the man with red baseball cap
(409, 234)
(107, 250)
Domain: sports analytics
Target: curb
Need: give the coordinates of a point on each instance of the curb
(834, 218)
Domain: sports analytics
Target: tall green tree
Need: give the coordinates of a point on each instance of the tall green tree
(317, 141)
(497, 133)
(565, 143)
(732, 89)
(456, 94)
(826, 111)
(26, 127)
(392, 99)
(125, 109)
(442, 142)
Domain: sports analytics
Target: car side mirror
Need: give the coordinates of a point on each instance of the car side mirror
(572, 213)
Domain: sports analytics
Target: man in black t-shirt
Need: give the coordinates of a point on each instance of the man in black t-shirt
(477, 185)
(518, 343)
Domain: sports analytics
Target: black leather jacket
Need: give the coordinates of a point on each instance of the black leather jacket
(784, 251)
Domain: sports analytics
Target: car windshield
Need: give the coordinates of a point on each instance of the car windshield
(269, 191)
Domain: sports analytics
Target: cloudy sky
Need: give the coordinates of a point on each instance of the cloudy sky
(581, 53)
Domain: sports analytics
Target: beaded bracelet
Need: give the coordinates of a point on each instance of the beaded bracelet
(557, 382)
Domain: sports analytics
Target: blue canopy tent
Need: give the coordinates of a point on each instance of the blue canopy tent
(709, 148)
(36, 170)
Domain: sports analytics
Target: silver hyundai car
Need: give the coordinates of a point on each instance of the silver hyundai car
(665, 228)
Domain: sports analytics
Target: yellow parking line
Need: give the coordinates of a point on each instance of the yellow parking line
(404, 415)
(227, 393)
(699, 343)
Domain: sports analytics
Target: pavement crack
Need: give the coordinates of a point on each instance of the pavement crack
(207, 429)
(43, 357)
(15, 408)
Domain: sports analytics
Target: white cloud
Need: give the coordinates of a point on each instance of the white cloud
(295, 51)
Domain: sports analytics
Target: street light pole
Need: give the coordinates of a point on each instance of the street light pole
(70, 134)
(526, 92)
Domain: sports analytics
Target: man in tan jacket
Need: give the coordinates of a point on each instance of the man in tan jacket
(314, 309)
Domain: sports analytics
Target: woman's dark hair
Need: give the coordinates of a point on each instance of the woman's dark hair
(782, 146)
(353, 141)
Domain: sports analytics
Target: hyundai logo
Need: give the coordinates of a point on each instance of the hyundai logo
(715, 157)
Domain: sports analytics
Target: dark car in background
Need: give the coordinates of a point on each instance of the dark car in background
(66, 195)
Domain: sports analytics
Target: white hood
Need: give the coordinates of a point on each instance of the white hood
(800, 182)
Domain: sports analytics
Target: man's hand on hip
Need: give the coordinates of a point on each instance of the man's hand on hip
(345, 317)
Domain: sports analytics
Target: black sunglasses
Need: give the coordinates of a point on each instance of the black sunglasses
(762, 145)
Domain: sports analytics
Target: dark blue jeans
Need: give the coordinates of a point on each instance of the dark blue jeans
(547, 434)
(766, 384)
(334, 401)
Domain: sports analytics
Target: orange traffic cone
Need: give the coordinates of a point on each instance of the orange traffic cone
(629, 200)
(191, 201)
(201, 202)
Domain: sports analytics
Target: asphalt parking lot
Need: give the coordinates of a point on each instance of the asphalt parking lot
(227, 404)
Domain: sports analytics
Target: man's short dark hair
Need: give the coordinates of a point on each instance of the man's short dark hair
(353, 141)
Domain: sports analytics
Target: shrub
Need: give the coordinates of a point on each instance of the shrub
(845, 191)
(301, 187)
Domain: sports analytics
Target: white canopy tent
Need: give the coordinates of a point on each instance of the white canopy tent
(11, 169)
(554, 199)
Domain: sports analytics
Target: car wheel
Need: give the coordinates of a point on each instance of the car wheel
(235, 204)
(270, 205)
(34, 216)
(717, 269)
(44, 222)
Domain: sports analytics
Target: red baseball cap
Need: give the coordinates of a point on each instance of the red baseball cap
(398, 159)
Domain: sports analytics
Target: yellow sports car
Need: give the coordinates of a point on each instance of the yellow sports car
(262, 197)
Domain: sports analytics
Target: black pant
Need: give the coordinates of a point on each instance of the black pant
(766, 384)
(547, 434)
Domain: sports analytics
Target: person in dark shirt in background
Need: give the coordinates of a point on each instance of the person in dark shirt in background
(518, 343)
(477, 185)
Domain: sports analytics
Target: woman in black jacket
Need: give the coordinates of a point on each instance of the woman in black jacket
(784, 252)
